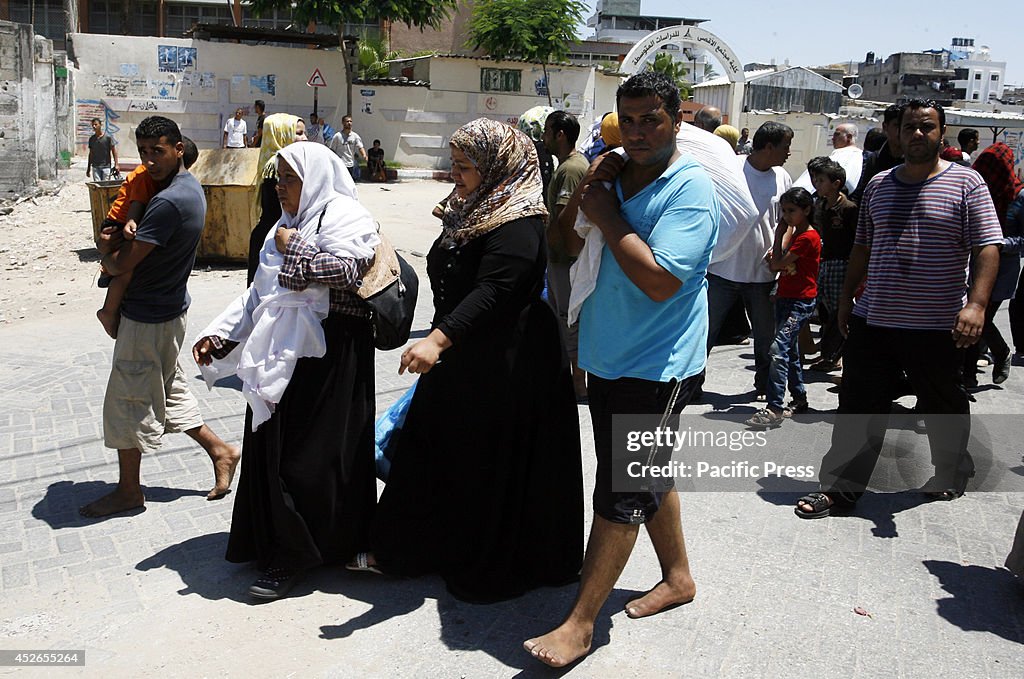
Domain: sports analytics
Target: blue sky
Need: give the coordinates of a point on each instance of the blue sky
(813, 34)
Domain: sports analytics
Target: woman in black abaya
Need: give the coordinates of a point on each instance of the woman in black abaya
(485, 486)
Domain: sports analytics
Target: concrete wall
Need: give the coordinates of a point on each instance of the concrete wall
(19, 168)
(414, 123)
(812, 134)
(44, 83)
(123, 79)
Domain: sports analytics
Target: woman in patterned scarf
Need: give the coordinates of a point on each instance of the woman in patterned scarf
(995, 165)
(485, 486)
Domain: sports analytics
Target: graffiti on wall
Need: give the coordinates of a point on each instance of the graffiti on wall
(203, 81)
(265, 84)
(1015, 140)
(86, 110)
(174, 59)
(123, 87)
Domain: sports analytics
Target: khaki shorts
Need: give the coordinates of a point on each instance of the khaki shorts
(147, 394)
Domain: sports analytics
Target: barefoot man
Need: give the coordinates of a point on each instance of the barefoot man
(147, 394)
(642, 335)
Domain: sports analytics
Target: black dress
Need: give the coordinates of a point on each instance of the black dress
(270, 213)
(307, 490)
(486, 484)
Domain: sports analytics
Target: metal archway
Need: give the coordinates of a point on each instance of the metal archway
(692, 36)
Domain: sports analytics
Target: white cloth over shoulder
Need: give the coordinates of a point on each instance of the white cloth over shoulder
(738, 212)
(273, 325)
(717, 157)
(583, 272)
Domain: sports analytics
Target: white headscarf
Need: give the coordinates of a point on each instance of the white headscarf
(276, 326)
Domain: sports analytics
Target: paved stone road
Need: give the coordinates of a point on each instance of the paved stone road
(150, 594)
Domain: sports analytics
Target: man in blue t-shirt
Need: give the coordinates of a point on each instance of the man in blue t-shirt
(642, 336)
(147, 394)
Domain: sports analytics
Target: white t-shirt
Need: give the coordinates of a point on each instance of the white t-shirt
(345, 146)
(746, 264)
(852, 160)
(236, 131)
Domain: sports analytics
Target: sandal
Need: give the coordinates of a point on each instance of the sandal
(821, 506)
(765, 418)
(362, 565)
(947, 495)
(796, 408)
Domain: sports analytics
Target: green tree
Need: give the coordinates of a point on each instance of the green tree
(419, 13)
(535, 30)
(373, 54)
(676, 70)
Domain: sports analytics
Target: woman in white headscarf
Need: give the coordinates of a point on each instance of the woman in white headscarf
(300, 341)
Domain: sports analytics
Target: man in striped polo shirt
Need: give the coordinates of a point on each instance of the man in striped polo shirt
(919, 224)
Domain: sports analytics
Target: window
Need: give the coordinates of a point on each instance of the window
(500, 80)
(975, 96)
(977, 76)
(995, 77)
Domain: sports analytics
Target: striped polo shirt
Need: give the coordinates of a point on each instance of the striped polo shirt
(920, 237)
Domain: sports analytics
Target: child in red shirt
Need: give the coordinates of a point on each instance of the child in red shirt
(124, 214)
(797, 265)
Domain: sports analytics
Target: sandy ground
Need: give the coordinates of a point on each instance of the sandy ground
(50, 263)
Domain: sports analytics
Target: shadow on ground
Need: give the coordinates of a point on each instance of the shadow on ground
(469, 627)
(879, 508)
(87, 254)
(59, 506)
(983, 599)
(464, 627)
(199, 561)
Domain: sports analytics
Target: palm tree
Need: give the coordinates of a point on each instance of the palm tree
(676, 70)
(373, 54)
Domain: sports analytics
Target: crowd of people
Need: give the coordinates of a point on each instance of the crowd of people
(645, 252)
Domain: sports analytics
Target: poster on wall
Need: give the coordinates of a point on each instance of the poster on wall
(187, 58)
(263, 84)
(367, 105)
(86, 110)
(174, 59)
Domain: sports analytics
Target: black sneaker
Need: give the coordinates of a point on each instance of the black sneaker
(275, 583)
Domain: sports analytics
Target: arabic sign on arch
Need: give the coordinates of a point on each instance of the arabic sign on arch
(686, 36)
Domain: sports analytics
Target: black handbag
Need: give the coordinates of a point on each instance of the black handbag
(390, 289)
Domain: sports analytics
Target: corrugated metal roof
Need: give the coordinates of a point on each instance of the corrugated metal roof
(968, 113)
(485, 58)
(724, 80)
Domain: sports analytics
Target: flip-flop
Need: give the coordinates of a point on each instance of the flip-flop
(362, 565)
(821, 504)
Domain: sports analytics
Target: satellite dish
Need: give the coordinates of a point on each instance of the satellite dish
(855, 91)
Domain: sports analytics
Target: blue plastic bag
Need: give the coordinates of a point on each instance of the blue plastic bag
(386, 431)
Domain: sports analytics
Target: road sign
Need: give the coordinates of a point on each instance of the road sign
(316, 80)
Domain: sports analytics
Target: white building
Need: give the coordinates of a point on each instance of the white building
(620, 22)
(977, 77)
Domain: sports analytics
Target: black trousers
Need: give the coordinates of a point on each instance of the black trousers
(873, 360)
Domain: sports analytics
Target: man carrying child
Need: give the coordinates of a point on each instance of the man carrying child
(123, 217)
(147, 394)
